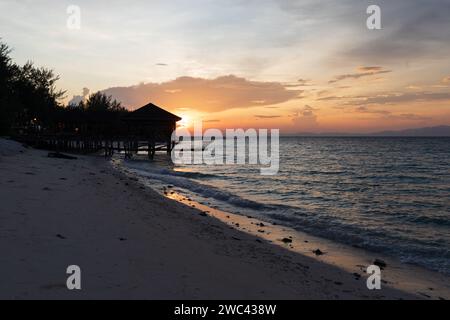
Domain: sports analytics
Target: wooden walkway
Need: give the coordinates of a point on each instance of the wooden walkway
(129, 145)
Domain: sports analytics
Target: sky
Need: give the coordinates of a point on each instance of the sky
(295, 65)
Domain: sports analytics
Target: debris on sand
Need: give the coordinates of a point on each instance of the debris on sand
(380, 263)
(286, 240)
(318, 252)
(59, 155)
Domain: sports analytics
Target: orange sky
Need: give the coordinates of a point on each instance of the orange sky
(300, 66)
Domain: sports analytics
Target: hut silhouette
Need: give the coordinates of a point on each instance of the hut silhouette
(152, 124)
(148, 128)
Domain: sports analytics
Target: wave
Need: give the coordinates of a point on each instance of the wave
(183, 180)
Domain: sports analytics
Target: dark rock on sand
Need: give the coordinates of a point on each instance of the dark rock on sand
(318, 252)
(286, 240)
(380, 263)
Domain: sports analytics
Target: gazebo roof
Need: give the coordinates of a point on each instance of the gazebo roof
(151, 112)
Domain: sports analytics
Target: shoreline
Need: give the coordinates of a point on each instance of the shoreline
(399, 275)
(132, 243)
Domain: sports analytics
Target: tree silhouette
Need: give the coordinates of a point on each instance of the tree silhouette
(99, 102)
(28, 95)
(26, 92)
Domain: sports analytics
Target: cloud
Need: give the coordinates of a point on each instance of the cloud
(361, 72)
(210, 95)
(388, 98)
(364, 109)
(392, 98)
(77, 99)
(409, 117)
(369, 69)
(304, 82)
(267, 117)
(412, 29)
(305, 119)
(388, 115)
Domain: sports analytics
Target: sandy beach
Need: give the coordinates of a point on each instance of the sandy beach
(132, 243)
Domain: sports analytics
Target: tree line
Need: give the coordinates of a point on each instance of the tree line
(29, 93)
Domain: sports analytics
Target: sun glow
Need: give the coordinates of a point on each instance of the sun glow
(185, 122)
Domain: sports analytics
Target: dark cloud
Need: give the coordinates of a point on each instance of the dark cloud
(408, 117)
(267, 117)
(304, 82)
(369, 69)
(412, 29)
(211, 121)
(335, 98)
(388, 115)
(361, 72)
(211, 95)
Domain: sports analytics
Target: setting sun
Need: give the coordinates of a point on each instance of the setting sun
(185, 122)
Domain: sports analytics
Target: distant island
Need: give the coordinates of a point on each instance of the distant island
(438, 131)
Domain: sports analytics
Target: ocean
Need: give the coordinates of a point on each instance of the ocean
(386, 195)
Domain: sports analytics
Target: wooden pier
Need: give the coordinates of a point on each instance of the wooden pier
(148, 129)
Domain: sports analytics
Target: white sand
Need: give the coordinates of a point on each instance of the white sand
(132, 243)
